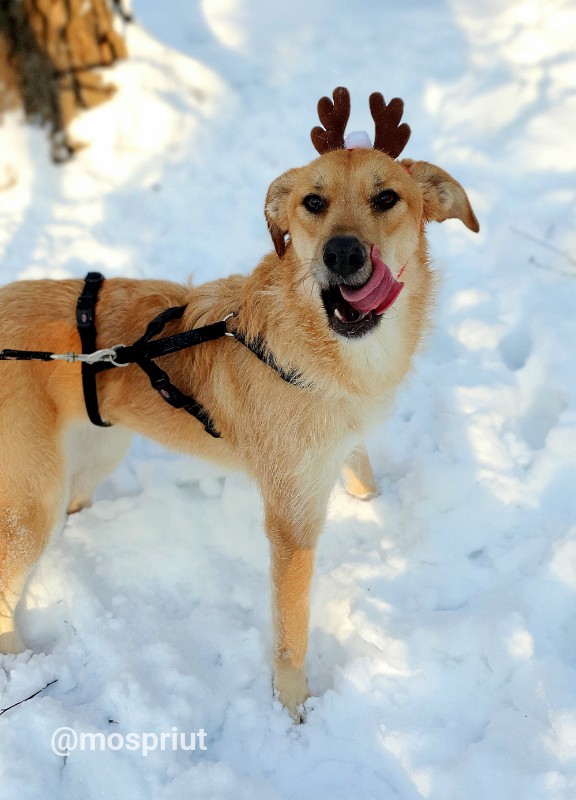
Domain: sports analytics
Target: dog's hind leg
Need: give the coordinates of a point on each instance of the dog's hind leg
(31, 504)
(358, 476)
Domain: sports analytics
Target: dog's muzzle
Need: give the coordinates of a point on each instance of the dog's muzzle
(354, 304)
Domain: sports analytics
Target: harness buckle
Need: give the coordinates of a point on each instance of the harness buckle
(228, 333)
(166, 390)
(160, 382)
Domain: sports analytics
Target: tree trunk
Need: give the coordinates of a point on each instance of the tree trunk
(49, 53)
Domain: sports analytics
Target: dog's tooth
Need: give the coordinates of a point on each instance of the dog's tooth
(339, 315)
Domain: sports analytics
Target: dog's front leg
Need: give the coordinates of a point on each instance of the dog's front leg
(293, 547)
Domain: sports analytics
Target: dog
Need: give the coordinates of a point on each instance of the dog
(326, 305)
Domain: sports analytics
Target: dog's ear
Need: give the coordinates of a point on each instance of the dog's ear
(444, 198)
(276, 209)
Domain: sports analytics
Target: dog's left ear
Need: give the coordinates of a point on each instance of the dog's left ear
(276, 209)
(444, 198)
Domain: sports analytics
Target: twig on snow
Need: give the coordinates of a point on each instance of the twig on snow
(542, 243)
(4, 710)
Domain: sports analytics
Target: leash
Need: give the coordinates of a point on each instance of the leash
(142, 352)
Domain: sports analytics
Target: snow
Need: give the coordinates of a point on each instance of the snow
(443, 635)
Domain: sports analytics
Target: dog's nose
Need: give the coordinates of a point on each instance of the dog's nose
(344, 255)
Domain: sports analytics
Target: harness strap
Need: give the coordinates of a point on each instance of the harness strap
(160, 381)
(85, 322)
(143, 351)
(257, 346)
(144, 348)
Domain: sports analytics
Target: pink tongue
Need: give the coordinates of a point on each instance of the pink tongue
(379, 293)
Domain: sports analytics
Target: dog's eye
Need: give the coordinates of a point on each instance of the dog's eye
(384, 200)
(314, 203)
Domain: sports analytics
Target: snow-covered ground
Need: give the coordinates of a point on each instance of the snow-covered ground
(443, 634)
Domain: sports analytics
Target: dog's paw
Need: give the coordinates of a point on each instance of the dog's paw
(359, 480)
(79, 504)
(291, 688)
(10, 642)
(363, 495)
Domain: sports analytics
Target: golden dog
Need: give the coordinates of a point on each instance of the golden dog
(327, 304)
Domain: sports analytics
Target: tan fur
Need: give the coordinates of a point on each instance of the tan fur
(291, 440)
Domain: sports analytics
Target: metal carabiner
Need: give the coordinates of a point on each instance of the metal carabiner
(107, 355)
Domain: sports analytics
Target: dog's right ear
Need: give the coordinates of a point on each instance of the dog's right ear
(276, 209)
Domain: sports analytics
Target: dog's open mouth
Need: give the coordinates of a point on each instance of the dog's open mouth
(355, 311)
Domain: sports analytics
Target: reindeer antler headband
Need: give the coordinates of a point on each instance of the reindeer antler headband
(390, 138)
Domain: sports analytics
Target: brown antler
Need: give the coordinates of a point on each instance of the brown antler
(334, 116)
(391, 137)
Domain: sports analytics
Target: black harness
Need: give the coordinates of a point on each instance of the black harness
(142, 352)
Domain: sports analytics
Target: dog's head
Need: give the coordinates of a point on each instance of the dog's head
(354, 219)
